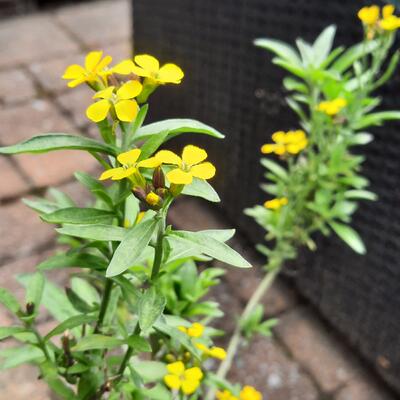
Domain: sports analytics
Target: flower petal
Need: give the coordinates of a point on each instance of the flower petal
(103, 63)
(203, 171)
(92, 59)
(179, 177)
(126, 110)
(129, 157)
(189, 387)
(172, 381)
(168, 157)
(217, 352)
(170, 73)
(193, 374)
(151, 162)
(74, 71)
(148, 63)
(387, 10)
(267, 148)
(192, 155)
(129, 90)
(140, 72)
(196, 330)
(76, 82)
(105, 93)
(123, 173)
(176, 368)
(109, 173)
(98, 110)
(125, 67)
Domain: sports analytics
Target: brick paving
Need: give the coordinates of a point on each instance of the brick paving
(304, 360)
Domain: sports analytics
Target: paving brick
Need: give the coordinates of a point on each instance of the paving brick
(49, 73)
(32, 38)
(16, 86)
(364, 389)
(98, 24)
(13, 183)
(119, 50)
(265, 366)
(311, 344)
(40, 117)
(21, 231)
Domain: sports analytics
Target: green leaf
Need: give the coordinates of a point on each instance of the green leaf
(75, 215)
(57, 141)
(97, 342)
(95, 187)
(95, 232)
(376, 119)
(206, 244)
(15, 356)
(7, 331)
(361, 138)
(139, 344)
(279, 48)
(150, 371)
(201, 188)
(176, 127)
(41, 205)
(60, 388)
(323, 44)
(152, 144)
(360, 194)
(350, 236)
(138, 122)
(275, 168)
(158, 392)
(151, 305)
(130, 249)
(81, 260)
(34, 290)
(61, 198)
(70, 323)
(85, 290)
(9, 301)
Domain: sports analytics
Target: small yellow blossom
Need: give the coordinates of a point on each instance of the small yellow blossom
(94, 69)
(215, 352)
(149, 67)
(369, 15)
(153, 199)
(276, 204)
(371, 18)
(291, 142)
(389, 22)
(190, 165)
(130, 165)
(332, 107)
(195, 330)
(125, 107)
(249, 393)
(180, 378)
(225, 395)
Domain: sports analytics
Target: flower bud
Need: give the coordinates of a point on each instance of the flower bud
(139, 193)
(30, 308)
(158, 178)
(176, 190)
(153, 199)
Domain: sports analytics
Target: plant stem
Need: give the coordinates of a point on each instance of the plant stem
(41, 343)
(104, 303)
(236, 338)
(158, 254)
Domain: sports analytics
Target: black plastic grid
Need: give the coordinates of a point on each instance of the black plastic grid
(233, 86)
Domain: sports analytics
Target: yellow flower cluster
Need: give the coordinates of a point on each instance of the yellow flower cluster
(181, 378)
(332, 107)
(276, 204)
(374, 21)
(291, 142)
(247, 393)
(120, 99)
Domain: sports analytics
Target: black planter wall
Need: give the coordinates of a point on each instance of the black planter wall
(233, 86)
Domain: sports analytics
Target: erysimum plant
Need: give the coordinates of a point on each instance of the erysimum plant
(314, 170)
(131, 324)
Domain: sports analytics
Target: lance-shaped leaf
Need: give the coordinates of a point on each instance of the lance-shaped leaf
(201, 188)
(350, 236)
(151, 306)
(68, 260)
(76, 215)
(70, 323)
(130, 249)
(281, 49)
(96, 341)
(7, 331)
(176, 127)
(34, 290)
(95, 232)
(57, 141)
(8, 300)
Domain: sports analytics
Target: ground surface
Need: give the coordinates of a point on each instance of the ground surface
(304, 361)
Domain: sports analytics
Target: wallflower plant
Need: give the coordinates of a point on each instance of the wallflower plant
(316, 185)
(132, 322)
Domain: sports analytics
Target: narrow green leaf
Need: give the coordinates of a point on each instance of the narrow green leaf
(7, 331)
(94, 186)
(57, 141)
(75, 215)
(81, 260)
(34, 290)
(151, 306)
(9, 301)
(131, 247)
(279, 48)
(96, 341)
(70, 323)
(323, 44)
(275, 168)
(376, 119)
(139, 344)
(349, 236)
(201, 188)
(15, 356)
(361, 194)
(152, 144)
(95, 232)
(60, 388)
(176, 127)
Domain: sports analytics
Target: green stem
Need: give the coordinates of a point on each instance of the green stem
(104, 303)
(158, 254)
(236, 338)
(41, 343)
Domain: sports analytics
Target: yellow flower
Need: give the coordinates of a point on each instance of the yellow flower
(276, 204)
(225, 395)
(332, 107)
(149, 67)
(249, 393)
(369, 15)
(94, 68)
(215, 352)
(125, 107)
(390, 22)
(180, 378)
(189, 166)
(130, 166)
(286, 142)
(195, 330)
(153, 199)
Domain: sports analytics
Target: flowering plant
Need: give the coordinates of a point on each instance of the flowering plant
(131, 323)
